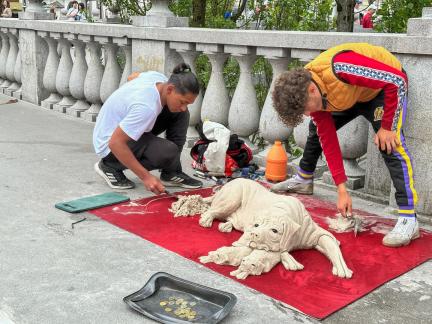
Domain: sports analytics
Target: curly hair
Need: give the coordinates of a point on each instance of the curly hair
(290, 95)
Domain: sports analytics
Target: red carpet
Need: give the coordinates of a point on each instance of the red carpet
(314, 290)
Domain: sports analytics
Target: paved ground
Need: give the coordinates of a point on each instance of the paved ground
(51, 273)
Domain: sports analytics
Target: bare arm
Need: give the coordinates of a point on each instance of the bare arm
(120, 149)
(7, 13)
(72, 13)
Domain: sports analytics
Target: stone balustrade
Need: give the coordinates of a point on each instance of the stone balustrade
(10, 62)
(74, 67)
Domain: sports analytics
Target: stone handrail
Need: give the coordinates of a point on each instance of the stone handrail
(416, 43)
(38, 65)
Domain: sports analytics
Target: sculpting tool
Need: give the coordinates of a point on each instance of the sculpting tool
(81, 220)
(170, 194)
(357, 225)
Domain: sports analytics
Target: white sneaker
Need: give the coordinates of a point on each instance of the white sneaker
(405, 230)
(294, 185)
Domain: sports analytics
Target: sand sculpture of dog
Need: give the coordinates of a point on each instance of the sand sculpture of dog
(272, 225)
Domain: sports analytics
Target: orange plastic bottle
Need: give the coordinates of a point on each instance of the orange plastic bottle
(276, 168)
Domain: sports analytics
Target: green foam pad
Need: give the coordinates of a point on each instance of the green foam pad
(92, 202)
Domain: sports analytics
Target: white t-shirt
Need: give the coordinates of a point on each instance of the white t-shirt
(134, 107)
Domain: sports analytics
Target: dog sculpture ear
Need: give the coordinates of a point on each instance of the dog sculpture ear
(289, 228)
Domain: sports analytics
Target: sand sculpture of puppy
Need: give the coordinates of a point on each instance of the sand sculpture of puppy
(272, 225)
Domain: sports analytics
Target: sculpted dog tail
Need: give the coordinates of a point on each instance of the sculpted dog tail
(209, 200)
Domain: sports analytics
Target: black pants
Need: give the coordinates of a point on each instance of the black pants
(154, 152)
(398, 163)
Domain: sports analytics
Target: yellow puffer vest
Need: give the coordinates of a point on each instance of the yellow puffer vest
(340, 95)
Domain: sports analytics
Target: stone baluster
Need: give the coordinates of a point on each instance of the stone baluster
(17, 74)
(11, 61)
(377, 180)
(1, 44)
(77, 77)
(244, 114)
(215, 104)
(301, 131)
(51, 68)
(353, 141)
(111, 76)
(92, 83)
(63, 75)
(188, 53)
(4, 54)
(125, 45)
(271, 127)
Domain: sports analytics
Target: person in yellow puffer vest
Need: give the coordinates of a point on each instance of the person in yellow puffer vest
(340, 84)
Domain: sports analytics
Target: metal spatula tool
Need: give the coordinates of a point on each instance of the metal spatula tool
(171, 194)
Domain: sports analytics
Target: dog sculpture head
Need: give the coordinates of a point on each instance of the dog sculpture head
(271, 231)
(251, 265)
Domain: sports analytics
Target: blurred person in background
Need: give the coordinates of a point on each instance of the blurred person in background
(368, 19)
(5, 9)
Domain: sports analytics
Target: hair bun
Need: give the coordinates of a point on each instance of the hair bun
(182, 68)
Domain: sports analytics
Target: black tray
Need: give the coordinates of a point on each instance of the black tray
(210, 305)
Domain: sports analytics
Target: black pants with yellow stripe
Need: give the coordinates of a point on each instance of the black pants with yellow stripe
(399, 162)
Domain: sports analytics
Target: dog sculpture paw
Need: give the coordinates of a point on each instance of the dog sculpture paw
(205, 259)
(239, 274)
(342, 272)
(225, 227)
(206, 220)
(228, 255)
(216, 257)
(290, 263)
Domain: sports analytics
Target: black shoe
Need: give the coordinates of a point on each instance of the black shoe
(180, 179)
(115, 178)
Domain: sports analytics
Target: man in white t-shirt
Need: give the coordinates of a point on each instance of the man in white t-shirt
(125, 134)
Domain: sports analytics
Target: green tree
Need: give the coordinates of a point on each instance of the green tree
(212, 17)
(395, 14)
(345, 17)
(240, 9)
(198, 13)
(294, 14)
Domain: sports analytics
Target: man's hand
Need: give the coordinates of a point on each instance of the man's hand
(120, 149)
(386, 140)
(153, 184)
(344, 202)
